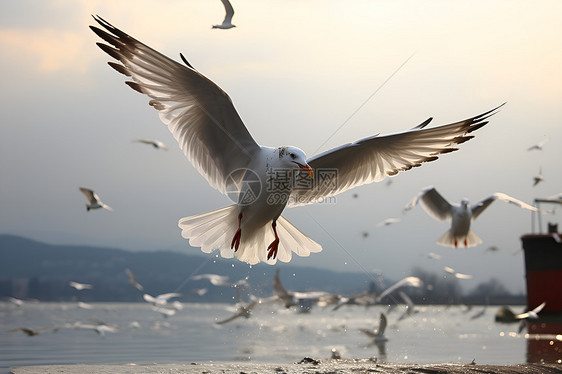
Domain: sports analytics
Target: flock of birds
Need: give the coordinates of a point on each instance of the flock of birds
(392, 297)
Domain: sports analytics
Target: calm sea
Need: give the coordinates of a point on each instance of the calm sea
(273, 334)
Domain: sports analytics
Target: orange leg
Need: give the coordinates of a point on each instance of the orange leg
(274, 246)
(236, 240)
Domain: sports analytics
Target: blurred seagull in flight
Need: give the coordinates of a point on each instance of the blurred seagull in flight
(244, 310)
(538, 178)
(539, 145)
(35, 332)
(133, 280)
(388, 222)
(377, 334)
(433, 256)
(160, 300)
(532, 314)
(204, 122)
(461, 216)
(227, 22)
(406, 282)
(215, 279)
(455, 274)
(155, 143)
(80, 286)
(93, 199)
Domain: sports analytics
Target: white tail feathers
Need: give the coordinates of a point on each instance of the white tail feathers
(215, 230)
(449, 240)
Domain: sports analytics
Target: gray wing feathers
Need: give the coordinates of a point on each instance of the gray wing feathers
(374, 158)
(199, 114)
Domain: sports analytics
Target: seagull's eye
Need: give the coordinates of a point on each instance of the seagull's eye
(293, 156)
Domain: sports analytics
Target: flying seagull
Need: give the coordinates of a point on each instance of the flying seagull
(215, 279)
(377, 334)
(35, 332)
(160, 300)
(93, 199)
(539, 145)
(242, 311)
(261, 180)
(133, 280)
(227, 22)
(155, 143)
(538, 178)
(455, 274)
(80, 286)
(388, 222)
(406, 282)
(461, 216)
(532, 314)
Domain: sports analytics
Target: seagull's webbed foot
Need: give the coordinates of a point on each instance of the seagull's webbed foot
(274, 246)
(236, 240)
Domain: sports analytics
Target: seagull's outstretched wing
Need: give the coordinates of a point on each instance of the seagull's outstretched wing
(90, 195)
(374, 158)
(408, 281)
(229, 12)
(198, 113)
(433, 203)
(478, 208)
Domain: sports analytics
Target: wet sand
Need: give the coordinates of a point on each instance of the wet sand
(306, 366)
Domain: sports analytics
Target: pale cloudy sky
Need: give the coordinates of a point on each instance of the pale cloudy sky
(296, 71)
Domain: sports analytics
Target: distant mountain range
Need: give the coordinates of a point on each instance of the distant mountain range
(33, 270)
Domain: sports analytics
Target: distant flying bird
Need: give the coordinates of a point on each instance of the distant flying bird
(166, 312)
(261, 180)
(531, 314)
(83, 305)
(244, 310)
(377, 334)
(410, 306)
(406, 282)
(99, 328)
(215, 279)
(35, 332)
(160, 300)
(433, 256)
(461, 216)
(200, 291)
(93, 199)
(80, 286)
(538, 178)
(15, 301)
(227, 22)
(455, 274)
(388, 221)
(155, 143)
(539, 145)
(492, 248)
(364, 299)
(133, 280)
(304, 300)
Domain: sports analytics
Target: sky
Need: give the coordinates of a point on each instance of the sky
(313, 74)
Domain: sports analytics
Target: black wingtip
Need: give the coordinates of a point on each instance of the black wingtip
(185, 61)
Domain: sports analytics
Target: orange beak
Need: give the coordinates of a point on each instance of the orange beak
(307, 169)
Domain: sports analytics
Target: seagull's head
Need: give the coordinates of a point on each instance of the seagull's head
(464, 203)
(295, 159)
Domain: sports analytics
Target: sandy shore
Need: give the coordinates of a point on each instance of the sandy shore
(306, 366)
